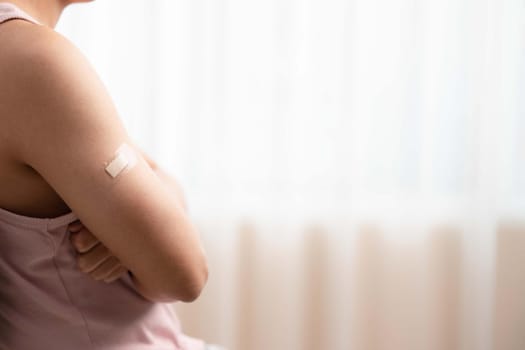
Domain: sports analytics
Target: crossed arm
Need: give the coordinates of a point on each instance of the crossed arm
(95, 259)
(63, 124)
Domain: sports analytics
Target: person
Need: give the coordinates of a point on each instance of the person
(87, 260)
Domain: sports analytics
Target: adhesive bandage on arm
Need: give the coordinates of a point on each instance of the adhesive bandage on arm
(125, 158)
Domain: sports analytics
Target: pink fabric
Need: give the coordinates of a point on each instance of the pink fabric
(47, 303)
(9, 11)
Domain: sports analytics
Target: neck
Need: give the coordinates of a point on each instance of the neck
(47, 12)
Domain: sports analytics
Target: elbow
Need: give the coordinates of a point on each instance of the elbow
(189, 282)
(177, 281)
(185, 288)
(195, 285)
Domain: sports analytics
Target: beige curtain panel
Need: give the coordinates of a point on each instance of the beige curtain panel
(356, 167)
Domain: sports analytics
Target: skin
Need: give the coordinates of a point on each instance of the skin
(46, 12)
(58, 127)
(93, 257)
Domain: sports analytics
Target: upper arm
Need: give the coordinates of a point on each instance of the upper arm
(67, 129)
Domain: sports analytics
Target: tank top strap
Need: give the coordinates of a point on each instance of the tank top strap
(10, 11)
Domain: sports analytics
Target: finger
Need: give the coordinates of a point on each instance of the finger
(84, 241)
(89, 261)
(75, 226)
(105, 268)
(116, 274)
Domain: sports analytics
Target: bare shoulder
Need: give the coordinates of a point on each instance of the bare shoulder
(67, 128)
(28, 48)
(50, 86)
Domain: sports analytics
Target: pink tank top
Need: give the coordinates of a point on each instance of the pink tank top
(47, 303)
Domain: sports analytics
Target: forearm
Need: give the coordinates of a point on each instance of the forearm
(189, 278)
(172, 185)
(149, 294)
(168, 180)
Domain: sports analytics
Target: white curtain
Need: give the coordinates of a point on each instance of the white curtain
(356, 167)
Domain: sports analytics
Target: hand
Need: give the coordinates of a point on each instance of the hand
(93, 257)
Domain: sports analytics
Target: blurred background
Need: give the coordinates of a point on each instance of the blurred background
(356, 167)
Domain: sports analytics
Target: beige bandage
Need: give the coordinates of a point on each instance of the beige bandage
(125, 159)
